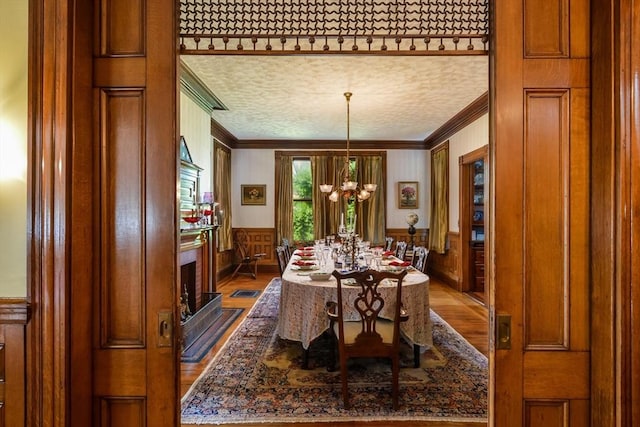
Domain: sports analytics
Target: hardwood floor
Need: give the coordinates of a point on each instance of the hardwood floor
(462, 312)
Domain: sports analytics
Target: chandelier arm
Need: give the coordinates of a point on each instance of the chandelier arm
(349, 189)
(347, 175)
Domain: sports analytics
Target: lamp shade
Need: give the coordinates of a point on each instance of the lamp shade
(326, 188)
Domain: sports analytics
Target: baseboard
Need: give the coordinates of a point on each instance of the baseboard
(445, 278)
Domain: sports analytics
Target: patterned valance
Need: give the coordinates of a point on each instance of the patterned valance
(419, 27)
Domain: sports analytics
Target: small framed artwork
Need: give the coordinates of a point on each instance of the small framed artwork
(408, 196)
(253, 194)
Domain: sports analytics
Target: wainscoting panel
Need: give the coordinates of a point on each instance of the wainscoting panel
(262, 240)
(421, 238)
(14, 315)
(445, 266)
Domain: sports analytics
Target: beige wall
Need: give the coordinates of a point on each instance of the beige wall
(13, 147)
(465, 141)
(195, 126)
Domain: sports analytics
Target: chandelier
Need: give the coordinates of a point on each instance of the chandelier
(349, 188)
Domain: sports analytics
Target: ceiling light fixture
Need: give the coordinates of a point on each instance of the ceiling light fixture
(349, 188)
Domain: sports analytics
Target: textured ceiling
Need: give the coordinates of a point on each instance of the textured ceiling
(395, 98)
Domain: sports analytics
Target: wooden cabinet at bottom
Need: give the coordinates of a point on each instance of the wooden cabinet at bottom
(478, 267)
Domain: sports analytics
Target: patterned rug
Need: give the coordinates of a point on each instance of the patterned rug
(257, 377)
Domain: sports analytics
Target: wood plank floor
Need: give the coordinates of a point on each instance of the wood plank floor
(462, 312)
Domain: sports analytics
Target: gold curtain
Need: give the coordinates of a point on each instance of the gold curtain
(439, 224)
(284, 197)
(371, 213)
(223, 196)
(320, 173)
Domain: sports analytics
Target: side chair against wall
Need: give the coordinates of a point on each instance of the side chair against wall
(420, 254)
(388, 243)
(288, 250)
(401, 250)
(282, 258)
(246, 260)
(367, 335)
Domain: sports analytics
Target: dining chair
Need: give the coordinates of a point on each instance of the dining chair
(420, 254)
(401, 250)
(287, 249)
(282, 258)
(388, 243)
(244, 257)
(367, 335)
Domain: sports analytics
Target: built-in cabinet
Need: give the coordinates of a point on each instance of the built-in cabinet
(478, 230)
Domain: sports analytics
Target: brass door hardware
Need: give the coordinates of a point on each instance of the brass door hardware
(165, 329)
(503, 341)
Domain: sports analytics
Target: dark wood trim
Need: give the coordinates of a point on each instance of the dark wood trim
(605, 352)
(14, 310)
(51, 28)
(308, 153)
(444, 145)
(223, 135)
(329, 144)
(474, 155)
(464, 118)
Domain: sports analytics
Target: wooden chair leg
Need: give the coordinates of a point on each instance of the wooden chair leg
(255, 269)
(416, 356)
(235, 272)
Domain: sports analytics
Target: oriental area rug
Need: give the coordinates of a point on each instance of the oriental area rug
(258, 378)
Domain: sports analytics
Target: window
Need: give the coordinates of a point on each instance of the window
(302, 202)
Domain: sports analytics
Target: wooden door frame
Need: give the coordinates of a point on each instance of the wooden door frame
(615, 111)
(52, 99)
(465, 166)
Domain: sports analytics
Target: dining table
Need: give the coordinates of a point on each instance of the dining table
(302, 315)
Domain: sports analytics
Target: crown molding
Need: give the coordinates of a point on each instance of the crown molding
(465, 117)
(197, 91)
(223, 135)
(329, 144)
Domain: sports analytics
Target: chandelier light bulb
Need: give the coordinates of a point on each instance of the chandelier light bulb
(363, 195)
(326, 188)
(349, 186)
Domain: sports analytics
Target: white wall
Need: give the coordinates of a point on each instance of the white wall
(468, 139)
(195, 126)
(13, 147)
(257, 166)
(408, 165)
(253, 166)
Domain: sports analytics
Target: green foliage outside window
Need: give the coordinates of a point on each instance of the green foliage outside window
(302, 204)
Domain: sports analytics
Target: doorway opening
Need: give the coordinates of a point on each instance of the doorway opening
(474, 183)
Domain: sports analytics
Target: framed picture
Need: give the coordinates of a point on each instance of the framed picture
(408, 196)
(253, 194)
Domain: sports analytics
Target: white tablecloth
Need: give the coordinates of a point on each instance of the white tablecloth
(302, 314)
